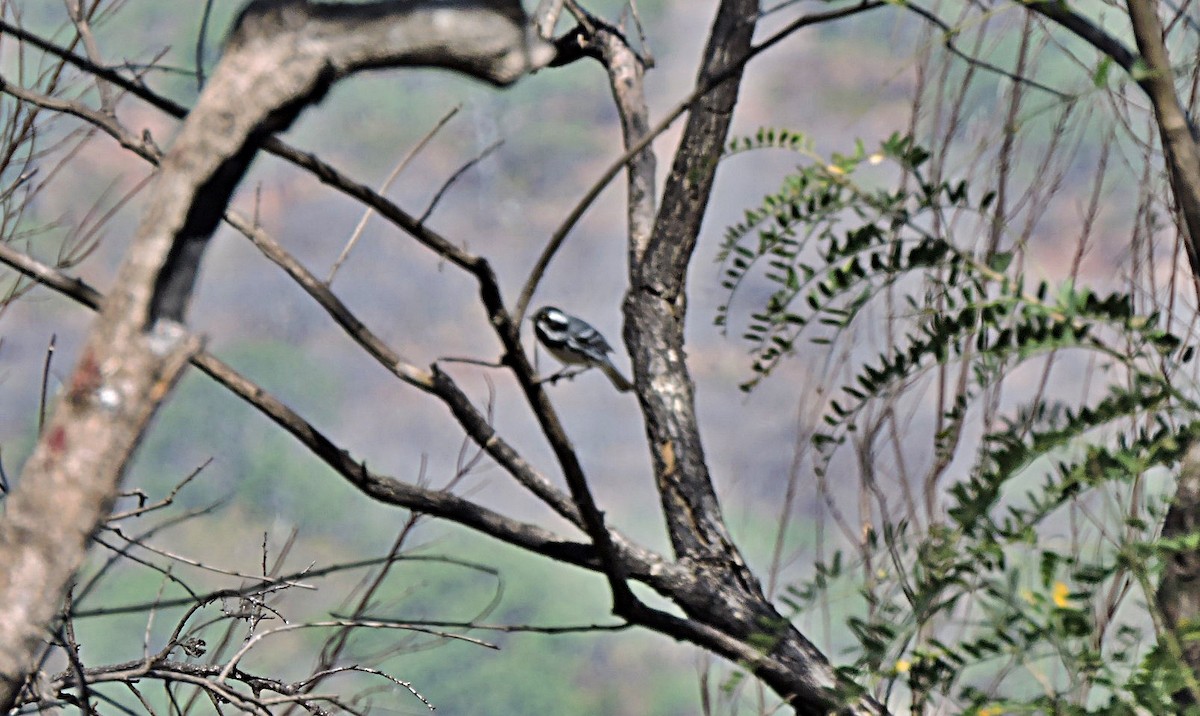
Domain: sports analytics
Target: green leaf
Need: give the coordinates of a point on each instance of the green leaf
(1100, 76)
(1000, 261)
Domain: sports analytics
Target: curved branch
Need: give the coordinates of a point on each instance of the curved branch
(655, 310)
(672, 581)
(1156, 78)
(1085, 29)
(474, 423)
(948, 36)
(727, 612)
(580, 509)
(282, 55)
(1179, 145)
(687, 103)
(639, 563)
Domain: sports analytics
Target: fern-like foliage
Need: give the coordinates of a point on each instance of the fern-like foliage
(862, 240)
(828, 248)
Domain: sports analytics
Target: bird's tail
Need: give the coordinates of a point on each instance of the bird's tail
(619, 381)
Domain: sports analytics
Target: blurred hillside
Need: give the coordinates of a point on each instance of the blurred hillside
(558, 131)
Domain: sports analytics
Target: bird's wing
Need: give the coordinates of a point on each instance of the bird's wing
(589, 339)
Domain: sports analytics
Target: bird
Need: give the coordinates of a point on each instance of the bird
(574, 342)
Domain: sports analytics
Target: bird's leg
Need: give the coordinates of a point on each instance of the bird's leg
(567, 373)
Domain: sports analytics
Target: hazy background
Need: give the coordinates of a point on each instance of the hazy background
(835, 83)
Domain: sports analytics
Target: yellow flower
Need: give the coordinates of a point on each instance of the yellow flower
(989, 711)
(834, 169)
(903, 666)
(876, 158)
(1061, 595)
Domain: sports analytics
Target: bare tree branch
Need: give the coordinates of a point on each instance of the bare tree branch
(362, 223)
(725, 610)
(1179, 144)
(655, 310)
(1085, 29)
(546, 17)
(1177, 597)
(641, 564)
(711, 81)
(282, 55)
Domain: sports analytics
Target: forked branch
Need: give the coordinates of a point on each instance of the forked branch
(281, 56)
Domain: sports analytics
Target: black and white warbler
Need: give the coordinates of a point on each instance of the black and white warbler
(574, 342)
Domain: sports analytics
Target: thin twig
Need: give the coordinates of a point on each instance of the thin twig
(546, 17)
(471, 361)
(455, 177)
(646, 55)
(513, 628)
(162, 586)
(71, 646)
(369, 212)
(166, 501)
(231, 665)
(200, 39)
(83, 27)
(948, 35)
(197, 564)
(45, 382)
(366, 670)
(146, 563)
(337, 641)
(707, 85)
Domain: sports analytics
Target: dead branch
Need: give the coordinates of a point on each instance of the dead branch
(281, 56)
